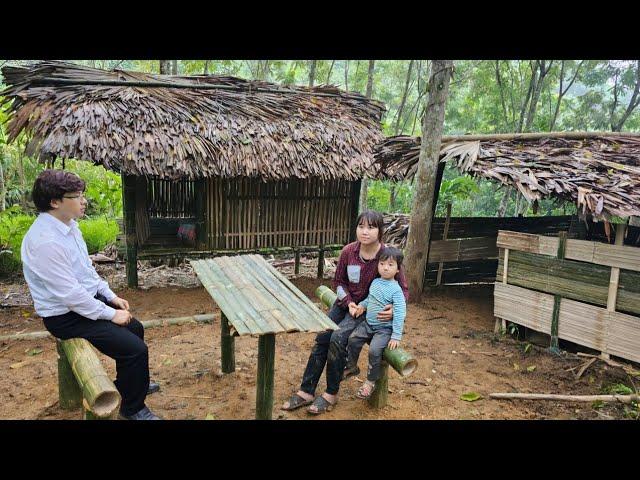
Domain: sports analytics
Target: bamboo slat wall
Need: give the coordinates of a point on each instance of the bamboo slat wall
(594, 310)
(246, 213)
(171, 199)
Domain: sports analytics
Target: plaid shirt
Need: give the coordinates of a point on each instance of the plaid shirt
(353, 276)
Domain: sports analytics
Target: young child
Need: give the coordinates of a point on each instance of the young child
(383, 291)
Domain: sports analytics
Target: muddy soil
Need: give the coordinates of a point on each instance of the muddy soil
(450, 332)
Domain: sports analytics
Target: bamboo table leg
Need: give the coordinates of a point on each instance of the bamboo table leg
(264, 393)
(227, 346)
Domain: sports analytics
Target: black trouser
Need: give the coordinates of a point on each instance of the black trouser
(330, 349)
(125, 344)
(378, 339)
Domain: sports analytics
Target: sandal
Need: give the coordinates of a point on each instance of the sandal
(295, 402)
(322, 404)
(362, 393)
(350, 372)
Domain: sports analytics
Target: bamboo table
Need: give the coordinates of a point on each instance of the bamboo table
(255, 299)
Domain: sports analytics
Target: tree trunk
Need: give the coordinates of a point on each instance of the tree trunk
(543, 71)
(174, 67)
(633, 103)
(417, 249)
(369, 92)
(312, 73)
(346, 75)
(502, 208)
(404, 98)
(206, 67)
(165, 67)
(330, 70)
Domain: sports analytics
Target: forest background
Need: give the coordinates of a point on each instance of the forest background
(485, 96)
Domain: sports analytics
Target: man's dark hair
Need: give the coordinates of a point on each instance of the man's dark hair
(374, 219)
(392, 252)
(52, 185)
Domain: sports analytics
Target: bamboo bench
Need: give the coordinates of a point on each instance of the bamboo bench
(83, 382)
(401, 360)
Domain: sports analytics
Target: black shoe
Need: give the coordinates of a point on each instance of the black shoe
(144, 414)
(153, 388)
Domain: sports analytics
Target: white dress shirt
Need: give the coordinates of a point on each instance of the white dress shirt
(58, 270)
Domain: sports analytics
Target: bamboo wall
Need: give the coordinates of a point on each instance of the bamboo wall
(171, 199)
(470, 254)
(246, 213)
(596, 287)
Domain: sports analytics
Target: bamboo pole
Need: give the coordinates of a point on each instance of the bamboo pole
(69, 393)
(554, 346)
(296, 269)
(264, 384)
(227, 346)
(321, 262)
(567, 398)
(97, 389)
(444, 237)
(147, 324)
(378, 398)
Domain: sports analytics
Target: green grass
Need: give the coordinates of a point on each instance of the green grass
(98, 232)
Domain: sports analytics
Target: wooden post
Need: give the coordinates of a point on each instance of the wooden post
(227, 346)
(129, 213)
(264, 392)
(297, 263)
(444, 237)
(321, 262)
(69, 393)
(355, 204)
(554, 346)
(612, 296)
(378, 398)
(501, 323)
(200, 206)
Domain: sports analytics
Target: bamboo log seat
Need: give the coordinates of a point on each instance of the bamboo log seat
(83, 382)
(255, 299)
(401, 360)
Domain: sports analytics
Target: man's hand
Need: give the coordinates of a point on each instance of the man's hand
(386, 314)
(119, 303)
(122, 318)
(393, 344)
(360, 310)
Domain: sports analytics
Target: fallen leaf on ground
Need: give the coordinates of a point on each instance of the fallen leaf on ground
(470, 396)
(531, 368)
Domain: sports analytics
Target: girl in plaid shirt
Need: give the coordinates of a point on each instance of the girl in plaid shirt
(356, 270)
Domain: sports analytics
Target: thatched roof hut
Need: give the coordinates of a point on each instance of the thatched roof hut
(253, 165)
(191, 126)
(599, 171)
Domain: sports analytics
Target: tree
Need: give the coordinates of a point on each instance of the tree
(392, 205)
(165, 67)
(562, 92)
(616, 124)
(417, 249)
(369, 92)
(312, 72)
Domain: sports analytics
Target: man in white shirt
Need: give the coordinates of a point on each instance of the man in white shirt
(70, 296)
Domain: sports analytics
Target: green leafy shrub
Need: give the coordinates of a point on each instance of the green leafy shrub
(97, 232)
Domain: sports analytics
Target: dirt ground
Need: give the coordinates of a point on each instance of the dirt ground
(450, 332)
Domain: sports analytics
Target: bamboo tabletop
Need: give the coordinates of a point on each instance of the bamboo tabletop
(256, 298)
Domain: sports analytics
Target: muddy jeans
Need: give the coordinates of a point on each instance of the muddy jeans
(330, 349)
(377, 338)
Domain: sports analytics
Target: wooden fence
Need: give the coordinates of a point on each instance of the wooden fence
(469, 252)
(582, 291)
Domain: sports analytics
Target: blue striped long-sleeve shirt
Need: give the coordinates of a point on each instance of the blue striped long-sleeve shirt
(384, 292)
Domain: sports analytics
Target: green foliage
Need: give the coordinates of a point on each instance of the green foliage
(98, 232)
(103, 190)
(618, 389)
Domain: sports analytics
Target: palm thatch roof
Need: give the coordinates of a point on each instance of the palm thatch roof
(599, 171)
(191, 126)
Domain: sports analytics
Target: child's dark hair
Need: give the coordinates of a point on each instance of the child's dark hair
(374, 219)
(392, 252)
(52, 185)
